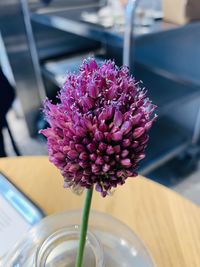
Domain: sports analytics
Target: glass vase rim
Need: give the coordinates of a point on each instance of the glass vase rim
(43, 251)
(114, 219)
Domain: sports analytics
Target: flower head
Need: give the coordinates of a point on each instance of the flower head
(99, 129)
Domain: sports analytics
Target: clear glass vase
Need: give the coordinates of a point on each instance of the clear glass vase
(54, 242)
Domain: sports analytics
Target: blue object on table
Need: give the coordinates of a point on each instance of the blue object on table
(22, 204)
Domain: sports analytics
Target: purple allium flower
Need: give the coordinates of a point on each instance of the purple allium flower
(99, 130)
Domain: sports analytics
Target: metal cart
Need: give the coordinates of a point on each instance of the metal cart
(189, 150)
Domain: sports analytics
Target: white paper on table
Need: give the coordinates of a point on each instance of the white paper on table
(12, 226)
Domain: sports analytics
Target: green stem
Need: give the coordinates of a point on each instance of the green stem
(84, 226)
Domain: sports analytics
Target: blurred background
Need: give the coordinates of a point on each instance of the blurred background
(159, 39)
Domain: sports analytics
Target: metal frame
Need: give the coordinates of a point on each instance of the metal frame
(128, 32)
(20, 47)
(32, 47)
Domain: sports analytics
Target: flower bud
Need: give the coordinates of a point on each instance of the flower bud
(111, 93)
(110, 150)
(126, 127)
(106, 168)
(138, 132)
(80, 131)
(117, 149)
(99, 161)
(93, 91)
(126, 143)
(93, 157)
(95, 168)
(102, 146)
(125, 153)
(106, 158)
(91, 147)
(74, 168)
(116, 136)
(118, 118)
(66, 149)
(84, 164)
(99, 136)
(136, 119)
(117, 157)
(83, 156)
(59, 156)
(88, 102)
(126, 163)
(86, 141)
(72, 154)
(79, 148)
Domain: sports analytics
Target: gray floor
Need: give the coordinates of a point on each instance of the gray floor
(188, 187)
(26, 144)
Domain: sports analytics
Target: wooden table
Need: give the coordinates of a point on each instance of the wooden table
(168, 224)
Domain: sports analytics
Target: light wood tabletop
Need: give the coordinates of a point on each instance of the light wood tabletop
(168, 224)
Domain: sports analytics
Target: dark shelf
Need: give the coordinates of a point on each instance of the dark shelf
(166, 92)
(167, 140)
